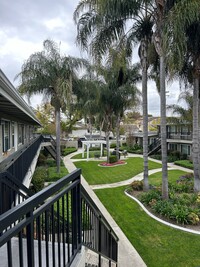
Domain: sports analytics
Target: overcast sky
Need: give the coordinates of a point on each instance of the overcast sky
(25, 24)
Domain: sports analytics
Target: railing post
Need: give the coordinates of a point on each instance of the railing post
(99, 241)
(79, 211)
(30, 240)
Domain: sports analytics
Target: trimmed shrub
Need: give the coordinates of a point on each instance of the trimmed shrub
(68, 150)
(112, 159)
(137, 185)
(112, 145)
(184, 163)
(38, 179)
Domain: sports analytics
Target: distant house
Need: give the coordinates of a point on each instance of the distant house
(179, 138)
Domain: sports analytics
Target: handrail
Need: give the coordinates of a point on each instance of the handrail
(19, 162)
(12, 192)
(98, 235)
(55, 223)
(48, 219)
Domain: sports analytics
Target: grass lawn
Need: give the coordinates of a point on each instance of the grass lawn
(173, 175)
(53, 176)
(157, 244)
(91, 154)
(95, 174)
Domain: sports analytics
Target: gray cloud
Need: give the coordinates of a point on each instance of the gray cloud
(25, 24)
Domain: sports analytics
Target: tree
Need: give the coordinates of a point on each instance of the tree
(46, 115)
(50, 73)
(118, 90)
(183, 43)
(104, 24)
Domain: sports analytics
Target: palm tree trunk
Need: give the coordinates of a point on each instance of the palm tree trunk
(195, 137)
(145, 113)
(163, 128)
(117, 137)
(57, 114)
(108, 145)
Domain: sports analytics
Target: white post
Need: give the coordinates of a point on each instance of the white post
(101, 149)
(82, 150)
(88, 151)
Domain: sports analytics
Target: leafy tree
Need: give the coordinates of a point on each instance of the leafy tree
(46, 115)
(53, 75)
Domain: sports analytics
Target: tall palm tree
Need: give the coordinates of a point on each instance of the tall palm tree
(50, 73)
(103, 24)
(183, 42)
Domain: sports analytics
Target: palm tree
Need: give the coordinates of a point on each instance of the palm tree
(104, 24)
(183, 44)
(50, 73)
(184, 113)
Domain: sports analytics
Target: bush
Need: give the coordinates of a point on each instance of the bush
(180, 214)
(137, 185)
(146, 198)
(38, 179)
(41, 159)
(163, 207)
(68, 150)
(184, 163)
(112, 145)
(112, 159)
(184, 184)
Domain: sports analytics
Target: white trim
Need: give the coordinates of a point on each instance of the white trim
(160, 220)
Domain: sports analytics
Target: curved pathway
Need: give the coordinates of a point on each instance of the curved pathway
(127, 254)
(126, 250)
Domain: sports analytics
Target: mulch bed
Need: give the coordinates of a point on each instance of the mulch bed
(119, 162)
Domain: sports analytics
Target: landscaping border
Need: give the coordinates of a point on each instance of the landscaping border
(160, 220)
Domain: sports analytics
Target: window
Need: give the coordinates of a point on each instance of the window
(173, 147)
(185, 149)
(6, 135)
(20, 134)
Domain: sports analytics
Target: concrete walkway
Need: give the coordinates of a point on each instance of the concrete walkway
(128, 256)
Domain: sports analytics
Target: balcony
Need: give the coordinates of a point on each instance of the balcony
(185, 136)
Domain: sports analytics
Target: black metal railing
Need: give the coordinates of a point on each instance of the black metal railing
(12, 192)
(98, 235)
(179, 135)
(51, 149)
(19, 162)
(50, 227)
(154, 146)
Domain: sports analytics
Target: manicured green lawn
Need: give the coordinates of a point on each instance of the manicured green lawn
(52, 174)
(95, 174)
(91, 154)
(158, 245)
(173, 175)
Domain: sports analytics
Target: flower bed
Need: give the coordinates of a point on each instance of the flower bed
(119, 162)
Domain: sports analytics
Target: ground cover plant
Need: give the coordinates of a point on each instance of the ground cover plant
(157, 244)
(95, 174)
(183, 205)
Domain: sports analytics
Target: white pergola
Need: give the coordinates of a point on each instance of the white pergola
(88, 143)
